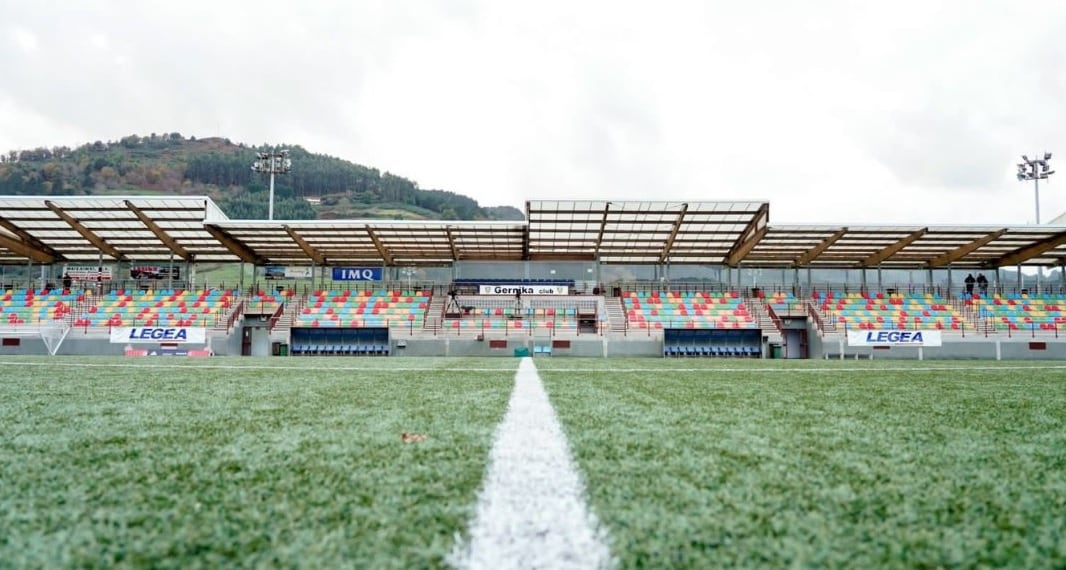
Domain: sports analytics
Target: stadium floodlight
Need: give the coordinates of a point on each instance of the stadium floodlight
(273, 162)
(1034, 170)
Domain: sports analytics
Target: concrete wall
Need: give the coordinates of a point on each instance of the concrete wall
(593, 347)
(586, 346)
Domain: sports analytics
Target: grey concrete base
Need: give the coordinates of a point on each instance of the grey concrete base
(590, 346)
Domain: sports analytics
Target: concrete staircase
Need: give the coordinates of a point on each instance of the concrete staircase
(616, 314)
(434, 313)
(288, 315)
(766, 323)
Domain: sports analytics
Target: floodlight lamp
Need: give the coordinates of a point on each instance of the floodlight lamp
(1025, 158)
(1021, 176)
(1047, 156)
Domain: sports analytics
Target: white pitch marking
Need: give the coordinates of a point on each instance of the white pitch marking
(710, 368)
(531, 511)
(824, 369)
(191, 366)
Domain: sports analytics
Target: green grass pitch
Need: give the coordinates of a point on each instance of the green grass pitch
(249, 462)
(821, 464)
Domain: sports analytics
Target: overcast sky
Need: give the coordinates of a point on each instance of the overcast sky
(833, 111)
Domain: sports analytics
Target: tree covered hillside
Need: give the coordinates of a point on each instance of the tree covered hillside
(319, 186)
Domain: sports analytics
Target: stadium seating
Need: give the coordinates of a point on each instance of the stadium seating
(264, 303)
(23, 306)
(1039, 312)
(500, 314)
(366, 341)
(363, 309)
(894, 311)
(708, 342)
(181, 308)
(782, 302)
(699, 310)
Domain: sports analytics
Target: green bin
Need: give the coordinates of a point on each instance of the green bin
(521, 351)
(775, 351)
(283, 350)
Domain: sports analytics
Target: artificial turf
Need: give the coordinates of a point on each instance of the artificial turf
(247, 462)
(695, 464)
(234, 462)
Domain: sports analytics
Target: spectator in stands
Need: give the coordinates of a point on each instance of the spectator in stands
(982, 284)
(67, 282)
(969, 281)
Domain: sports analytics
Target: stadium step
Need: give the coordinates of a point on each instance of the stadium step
(616, 314)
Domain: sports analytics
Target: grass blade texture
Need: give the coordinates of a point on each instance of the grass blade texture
(244, 462)
(694, 464)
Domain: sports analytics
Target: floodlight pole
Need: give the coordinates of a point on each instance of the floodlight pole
(270, 204)
(273, 162)
(1035, 169)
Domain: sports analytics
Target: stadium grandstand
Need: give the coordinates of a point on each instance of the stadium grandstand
(141, 275)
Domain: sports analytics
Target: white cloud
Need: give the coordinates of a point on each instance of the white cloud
(24, 39)
(838, 111)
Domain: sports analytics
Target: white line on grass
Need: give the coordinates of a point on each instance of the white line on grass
(791, 370)
(531, 510)
(176, 362)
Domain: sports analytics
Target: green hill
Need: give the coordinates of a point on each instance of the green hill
(319, 186)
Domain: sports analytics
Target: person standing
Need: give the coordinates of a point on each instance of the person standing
(969, 281)
(982, 284)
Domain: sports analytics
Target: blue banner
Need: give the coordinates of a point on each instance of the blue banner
(357, 274)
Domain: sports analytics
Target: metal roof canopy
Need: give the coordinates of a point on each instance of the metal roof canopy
(392, 242)
(645, 231)
(56, 229)
(928, 247)
(82, 229)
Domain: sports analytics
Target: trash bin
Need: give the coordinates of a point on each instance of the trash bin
(775, 351)
(283, 350)
(275, 348)
(522, 351)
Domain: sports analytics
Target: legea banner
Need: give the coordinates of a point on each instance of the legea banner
(525, 289)
(156, 335)
(893, 338)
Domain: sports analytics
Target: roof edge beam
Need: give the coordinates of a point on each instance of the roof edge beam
(85, 232)
(963, 250)
(379, 245)
(309, 251)
(235, 246)
(29, 240)
(26, 250)
(451, 243)
(159, 232)
(603, 228)
(813, 253)
(750, 237)
(673, 233)
(525, 240)
(1023, 254)
(563, 257)
(892, 249)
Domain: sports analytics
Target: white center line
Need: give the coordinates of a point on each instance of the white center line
(531, 511)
